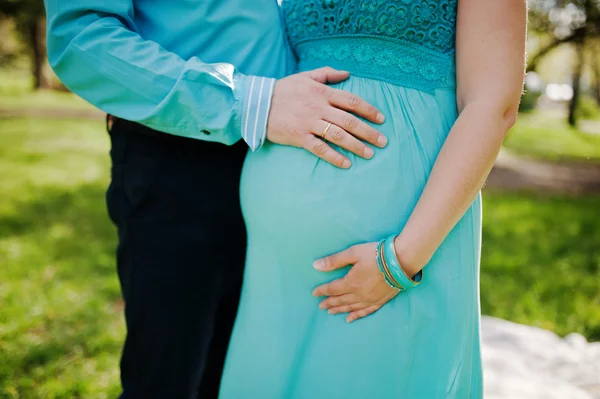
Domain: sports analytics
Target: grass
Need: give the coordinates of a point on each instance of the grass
(541, 261)
(15, 93)
(61, 316)
(547, 136)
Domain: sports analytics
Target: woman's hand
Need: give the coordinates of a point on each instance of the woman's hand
(362, 291)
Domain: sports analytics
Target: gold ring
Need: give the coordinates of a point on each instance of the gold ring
(326, 131)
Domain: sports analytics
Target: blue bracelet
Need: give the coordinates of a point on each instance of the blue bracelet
(378, 257)
(389, 253)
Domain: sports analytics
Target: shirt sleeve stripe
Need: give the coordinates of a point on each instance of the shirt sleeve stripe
(262, 84)
(270, 97)
(245, 116)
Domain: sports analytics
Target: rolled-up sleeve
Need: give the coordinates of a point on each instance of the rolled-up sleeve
(95, 50)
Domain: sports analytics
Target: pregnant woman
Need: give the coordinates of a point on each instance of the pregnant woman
(447, 75)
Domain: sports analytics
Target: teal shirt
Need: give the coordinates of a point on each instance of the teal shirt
(202, 69)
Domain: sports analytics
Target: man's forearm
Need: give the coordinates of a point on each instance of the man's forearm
(99, 58)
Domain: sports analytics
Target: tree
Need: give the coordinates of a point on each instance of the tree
(29, 16)
(572, 22)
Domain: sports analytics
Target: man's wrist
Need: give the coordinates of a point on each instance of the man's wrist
(256, 105)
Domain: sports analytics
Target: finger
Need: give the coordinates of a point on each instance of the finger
(355, 127)
(347, 308)
(325, 152)
(336, 135)
(327, 75)
(336, 261)
(336, 287)
(359, 314)
(353, 103)
(338, 300)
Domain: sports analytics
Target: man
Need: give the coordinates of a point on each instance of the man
(182, 78)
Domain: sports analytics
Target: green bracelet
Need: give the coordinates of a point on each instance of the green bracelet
(382, 269)
(398, 274)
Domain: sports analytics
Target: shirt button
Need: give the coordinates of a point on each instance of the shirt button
(206, 132)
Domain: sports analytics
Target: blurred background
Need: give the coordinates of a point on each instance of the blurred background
(61, 323)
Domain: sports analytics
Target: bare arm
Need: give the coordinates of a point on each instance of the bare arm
(490, 68)
(490, 56)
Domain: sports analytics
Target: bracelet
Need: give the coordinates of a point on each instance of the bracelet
(384, 271)
(396, 270)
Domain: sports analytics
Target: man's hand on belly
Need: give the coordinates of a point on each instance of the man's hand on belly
(362, 291)
(307, 113)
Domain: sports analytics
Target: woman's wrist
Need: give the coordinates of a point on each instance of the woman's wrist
(408, 256)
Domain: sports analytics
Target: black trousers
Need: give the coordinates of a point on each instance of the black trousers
(180, 258)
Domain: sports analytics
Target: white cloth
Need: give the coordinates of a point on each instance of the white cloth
(523, 362)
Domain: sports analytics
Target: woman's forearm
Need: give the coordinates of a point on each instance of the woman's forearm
(458, 174)
(490, 58)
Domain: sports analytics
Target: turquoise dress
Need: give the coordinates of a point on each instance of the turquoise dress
(424, 344)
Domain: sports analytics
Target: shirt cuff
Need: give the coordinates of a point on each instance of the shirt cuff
(255, 110)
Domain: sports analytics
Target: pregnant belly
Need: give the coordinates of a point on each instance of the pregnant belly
(292, 198)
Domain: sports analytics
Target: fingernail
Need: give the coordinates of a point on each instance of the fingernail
(382, 141)
(368, 153)
(330, 311)
(318, 264)
(322, 306)
(346, 164)
(380, 118)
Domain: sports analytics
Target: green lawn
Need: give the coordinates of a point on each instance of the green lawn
(541, 261)
(60, 312)
(15, 94)
(60, 315)
(547, 136)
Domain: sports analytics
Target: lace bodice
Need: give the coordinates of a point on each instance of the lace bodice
(409, 42)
